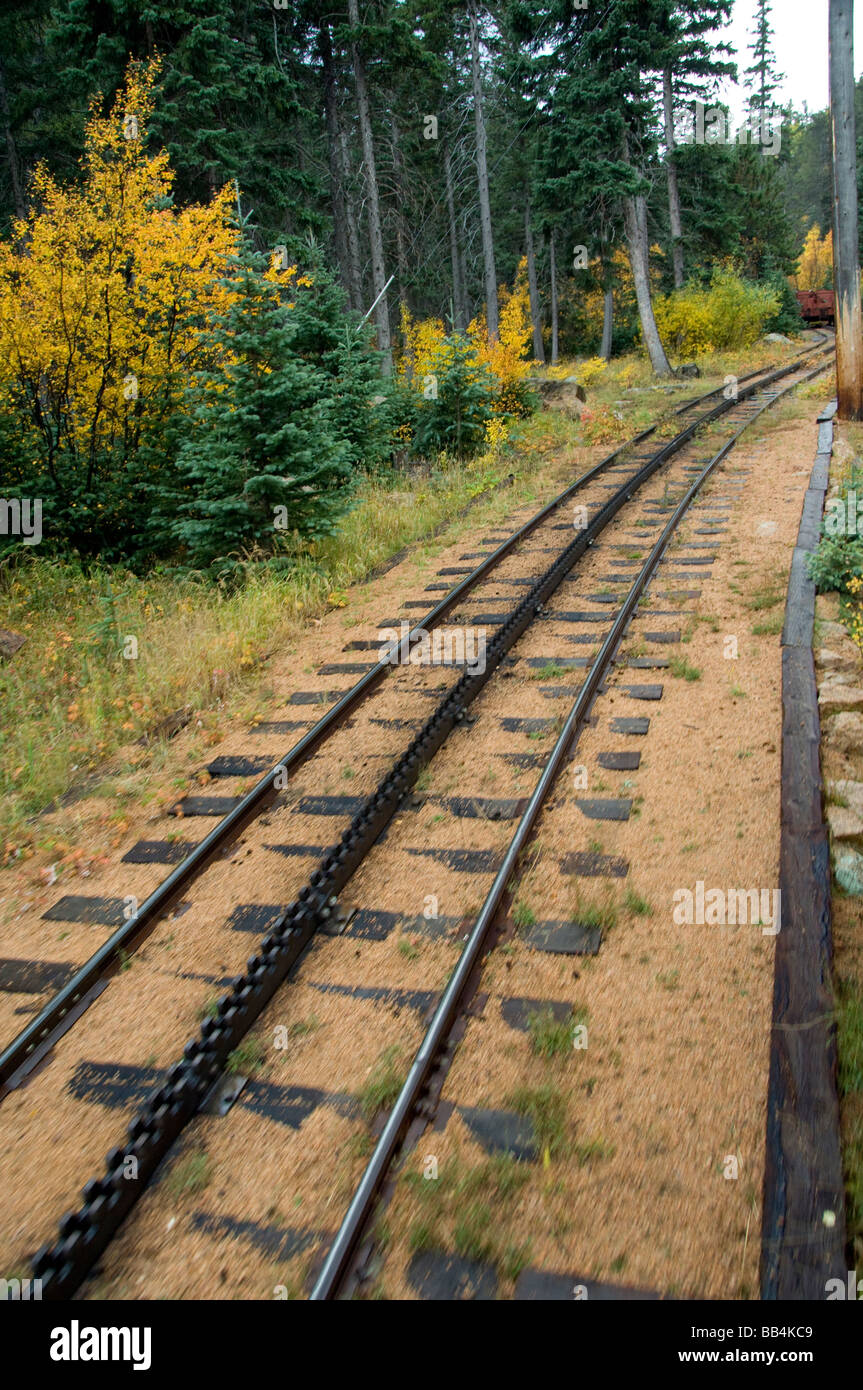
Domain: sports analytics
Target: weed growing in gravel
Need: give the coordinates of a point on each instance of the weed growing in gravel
(592, 1149)
(551, 1037)
(635, 903)
(550, 672)
(522, 915)
(385, 1081)
(463, 1208)
(304, 1026)
(247, 1056)
(514, 1259)
(680, 667)
(545, 1107)
(669, 979)
(602, 915)
(189, 1175)
(766, 597)
(771, 628)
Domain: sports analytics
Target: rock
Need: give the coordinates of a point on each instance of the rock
(834, 697)
(831, 631)
(848, 676)
(845, 732)
(689, 369)
(848, 871)
(829, 661)
(566, 395)
(844, 823)
(10, 642)
(776, 338)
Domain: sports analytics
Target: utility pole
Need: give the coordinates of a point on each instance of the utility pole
(846, 251)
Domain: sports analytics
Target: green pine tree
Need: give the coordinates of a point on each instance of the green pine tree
(264, 455)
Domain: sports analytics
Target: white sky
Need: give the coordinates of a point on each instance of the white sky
(800, 43)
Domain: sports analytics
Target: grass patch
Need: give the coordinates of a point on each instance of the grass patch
(189, 1175)
(633, 902)
(545, 1107)
(550, 672)
(304, 1026)
(771, 627)
(766, 597)
(384, 1083)
(249, 1055)
(680, 667)
(69, 701)
(602, 915)
(522, 915)
(465, 1209)
(551, 1037)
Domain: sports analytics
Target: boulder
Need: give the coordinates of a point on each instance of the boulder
(776, 338)
(689, 369)
(844, 732)
(566, 394)
(845, 824)
(832, 661)
(834, 697)
(848, 870)
(10, 642)
(830, 631)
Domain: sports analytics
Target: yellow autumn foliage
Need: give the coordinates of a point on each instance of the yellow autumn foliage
(428, 349)
(506, 356)
(728, 313)
(106, 291)
(815, 266)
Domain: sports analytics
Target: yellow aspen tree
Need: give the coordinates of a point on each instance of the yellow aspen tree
(106, 292)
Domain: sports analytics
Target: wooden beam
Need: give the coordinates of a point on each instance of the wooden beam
(846, 256)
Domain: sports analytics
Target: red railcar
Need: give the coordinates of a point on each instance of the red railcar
(816, 306)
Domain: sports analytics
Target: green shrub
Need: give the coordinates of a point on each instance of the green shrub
(730, 313)
(839, 557)
(454, 420)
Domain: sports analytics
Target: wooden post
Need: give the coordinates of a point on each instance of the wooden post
(846, 252)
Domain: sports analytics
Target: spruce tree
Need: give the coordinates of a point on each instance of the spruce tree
(762, 77)
(263, 455)
(603, 128)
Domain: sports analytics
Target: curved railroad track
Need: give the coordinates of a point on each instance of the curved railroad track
(374, 859)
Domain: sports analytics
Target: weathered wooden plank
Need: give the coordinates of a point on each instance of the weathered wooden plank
(803, 1218)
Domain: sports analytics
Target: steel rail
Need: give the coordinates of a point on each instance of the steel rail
(26, 1050)
(84, 1234)
(405, 1105)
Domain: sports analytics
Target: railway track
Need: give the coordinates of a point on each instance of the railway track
(134, 920)
(379, 860)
